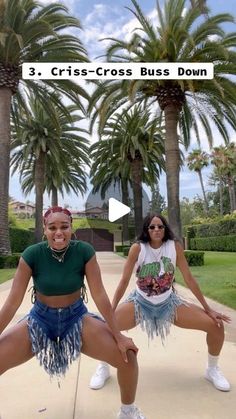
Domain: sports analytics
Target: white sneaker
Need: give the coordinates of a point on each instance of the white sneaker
(100, 376)
(133, 413)
(215, 376)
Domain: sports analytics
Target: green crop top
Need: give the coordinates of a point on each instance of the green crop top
(52, 277)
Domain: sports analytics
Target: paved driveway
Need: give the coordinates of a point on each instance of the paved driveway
(171, 383)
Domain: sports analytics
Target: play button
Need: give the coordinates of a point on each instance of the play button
(109, 218)
(116, 210)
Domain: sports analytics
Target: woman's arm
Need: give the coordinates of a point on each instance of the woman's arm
(103, 304)
(191, 282)
(16, 295)
(126, 275)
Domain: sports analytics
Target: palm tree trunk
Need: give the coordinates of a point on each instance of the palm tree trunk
(39, 190)
(136, 175)
(54, 200)
(231, 193)
(203, 192)
(5, 109)
(125, 219)
(221, 197)
(172, 169)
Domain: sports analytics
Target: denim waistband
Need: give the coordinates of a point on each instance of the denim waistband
(66, 310)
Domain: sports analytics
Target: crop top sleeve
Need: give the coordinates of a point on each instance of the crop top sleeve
(29, 255)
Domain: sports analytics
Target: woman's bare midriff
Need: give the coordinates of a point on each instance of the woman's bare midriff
(58, 301)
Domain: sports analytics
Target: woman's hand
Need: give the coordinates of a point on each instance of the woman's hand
(124, 344)
(218, 317)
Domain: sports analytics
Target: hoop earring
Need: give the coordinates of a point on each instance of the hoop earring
(44, 238)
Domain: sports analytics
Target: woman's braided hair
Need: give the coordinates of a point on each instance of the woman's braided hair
(51, 210)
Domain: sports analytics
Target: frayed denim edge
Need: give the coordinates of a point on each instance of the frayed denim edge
(155, 326)
(55, 356)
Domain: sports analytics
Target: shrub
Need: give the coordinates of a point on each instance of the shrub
(189, 234)
(2, 261)
(131, 233)
(126, 250)
(119, 248)
(20, 239)
(215, 219)
(222, 228)
(11, 219)
(9, 261)
(217, 243)
(194, 258)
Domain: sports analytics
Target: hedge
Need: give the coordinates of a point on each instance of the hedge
(217, 243)
(126, 250)
(119, 248)
(131, 232)
(20, 239)
(194, 258)
(9, 261)
(222, 228)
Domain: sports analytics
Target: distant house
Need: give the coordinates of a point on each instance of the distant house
(20, 209)
(94, 212)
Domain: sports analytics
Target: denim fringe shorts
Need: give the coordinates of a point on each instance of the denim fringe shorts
(155, 319)
(55, 335)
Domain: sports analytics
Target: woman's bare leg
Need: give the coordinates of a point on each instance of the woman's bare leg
(194, 317)
(188, 317)
(15, 346)
(125, 316)
(99, 343)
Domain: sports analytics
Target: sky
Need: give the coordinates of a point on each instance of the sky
(103, 19)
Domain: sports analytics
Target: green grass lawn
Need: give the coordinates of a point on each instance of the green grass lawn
(6, 274)
(217, 278)
(77, 223)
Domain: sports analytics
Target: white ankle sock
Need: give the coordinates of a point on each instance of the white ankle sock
(212, 360)
(126, 407)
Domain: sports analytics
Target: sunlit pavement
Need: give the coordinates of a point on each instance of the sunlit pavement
(171, 378)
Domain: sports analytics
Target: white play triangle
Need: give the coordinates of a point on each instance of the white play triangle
(116, 210)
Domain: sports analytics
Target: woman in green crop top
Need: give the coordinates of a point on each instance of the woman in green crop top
(59, 326)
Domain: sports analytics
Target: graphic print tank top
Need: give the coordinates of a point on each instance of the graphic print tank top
(155, 271)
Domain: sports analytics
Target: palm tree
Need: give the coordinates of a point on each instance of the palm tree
(224, 160)
(216, 179)
(48, 156)
(201, 4)
(157, 203)
(133, 151)
(69, 176)
(182, 36)
(30, 32)
(107, 171)
(196, 160)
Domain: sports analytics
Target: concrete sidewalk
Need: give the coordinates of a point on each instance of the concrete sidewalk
(171, 382)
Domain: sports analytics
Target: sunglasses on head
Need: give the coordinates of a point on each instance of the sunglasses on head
(159, 226)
